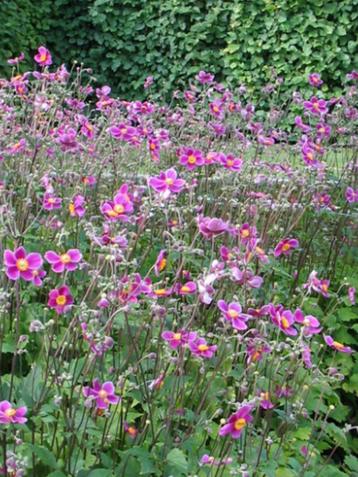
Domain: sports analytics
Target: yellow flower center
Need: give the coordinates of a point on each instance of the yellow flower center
(265, 396)
(65, 258)
(191, 159)
(152, 146)
(338, 345)
(285, 324)
(162, 264)
(245, 233)
(310, 156)
(160, 291)
(118, 208)
(216, 109)
(315, 105)
(169, 181)
(71, 207)
(177, 336)
(185, 289)
(61, 300)
(230, 162)
(306, 322)
(324, 287)
(203, 347)
(43, 57)
(286, 247)
(239, 424)
(103, 394)
(10, 412)
(22, 264)
(233, 313)
(51, 200)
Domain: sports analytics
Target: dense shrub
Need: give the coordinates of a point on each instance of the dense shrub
(241, 41)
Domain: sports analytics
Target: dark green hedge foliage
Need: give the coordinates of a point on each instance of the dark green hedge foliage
(124, 41)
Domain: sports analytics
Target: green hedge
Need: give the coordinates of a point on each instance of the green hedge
(123, 41)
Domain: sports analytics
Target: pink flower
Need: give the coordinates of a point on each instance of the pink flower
(66, 261)
(246, 277)
(191, 158)
(256, 350)
(314, 79)
(50, 202)
(300, 124)
(351, 195)
(336, 345)
(37, 276)
(233, 313)
(306, 356)
(200, 348)
(316, 284)
(232, 163)
(16, 60)
(237, 422)
(167, 183)
(265, 141)
(180, 338)
(160, 263)
(76, 207)
(216, 108)
(265, 402)
(204, 78)
(212, 227)
(352, 295)
(187, 289)
(102, 394)
(19, 264)
(206, 290)
(310, 323)
(60, 299)
(284, 319)
(43, 57)
(285, 247)
(148, 82)
(316, 106)
(10, 415)
(323, 130)
(247, 233)
(120, 207)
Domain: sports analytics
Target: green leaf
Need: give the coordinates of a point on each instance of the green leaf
(177, 461)
(45, 456)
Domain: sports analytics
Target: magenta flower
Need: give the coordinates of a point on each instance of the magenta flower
(200, 348)
(212, 227)
(336, 345)
(316, 106)
(351, 195)
(204, 78)
(237, 422)
(167, 183)
(187, 289)
(285, 247)
(247, 233)
(43, 57)
(37, 276)
(256, 350)
(51, 202)
(180, 338)
(265, 141)
(300, 124)
(66, 261)
(323, 130)
(316, 284)
(76, 207)
(10, 415)
(60, 299)
(19, 264)
(102, 394)
(160, 263)
(233, 313)
(314, 79)
(306, 357)
(265, 402)
(352, 295)
(246, 277)
(283, 319)
(191, 158)
(310, 323)
(216, 108)
(232, 163)
(120, 207)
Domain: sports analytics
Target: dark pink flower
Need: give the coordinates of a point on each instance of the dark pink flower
(19, 264)
(285, 247)
(76, 206)
(200, 348)
(16, 60)
(314, 79)
(351, 195)
(311, 325)
(160, 263)
(187, 289)
(316, 284)
(37, 276)
(66, 261)
(204, 78)
(212, 227)
(103, 394)
(336, 345)
(304, 127)
(265, 402)
(306, 356)
(60, 299)
(317, 107)
(247, 233)
(180, 338)
(283, 319)
(237, 422)
(10, 415)
(256, 350)
(232, 163)
(191, 158)
(120, 207)
(51, 202)
(167, 183)
(43, 57)
(233, 313)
